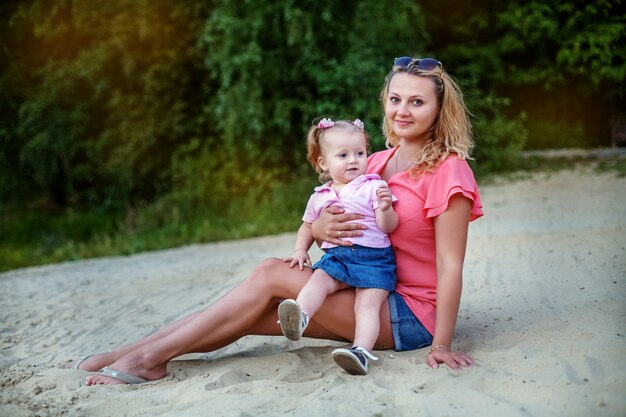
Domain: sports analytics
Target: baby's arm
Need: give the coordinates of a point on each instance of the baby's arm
(304, 240)
(386, 217)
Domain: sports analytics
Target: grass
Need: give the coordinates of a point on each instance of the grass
(38, 237)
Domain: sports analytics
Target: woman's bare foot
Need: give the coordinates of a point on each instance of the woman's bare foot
(92, 363)
(147, 374)
(123, 366)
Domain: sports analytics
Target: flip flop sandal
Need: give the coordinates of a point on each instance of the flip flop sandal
(120, 376)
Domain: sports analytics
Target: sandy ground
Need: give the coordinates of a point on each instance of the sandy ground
(543, 312)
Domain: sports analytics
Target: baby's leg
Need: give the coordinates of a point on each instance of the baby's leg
(367, 311)
(315, 291)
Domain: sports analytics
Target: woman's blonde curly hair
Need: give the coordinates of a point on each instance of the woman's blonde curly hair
(451, 132)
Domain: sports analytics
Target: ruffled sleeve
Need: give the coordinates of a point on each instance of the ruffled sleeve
(454, 176)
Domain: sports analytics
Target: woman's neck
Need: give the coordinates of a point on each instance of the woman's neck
(403, 157)
(411, 148)
(406, 154)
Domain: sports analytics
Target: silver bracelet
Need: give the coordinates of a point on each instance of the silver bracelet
(434, 348)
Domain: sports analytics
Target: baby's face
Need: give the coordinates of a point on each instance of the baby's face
(344, 154)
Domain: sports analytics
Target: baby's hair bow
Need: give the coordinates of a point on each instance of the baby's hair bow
(325, 123)
(358, 123)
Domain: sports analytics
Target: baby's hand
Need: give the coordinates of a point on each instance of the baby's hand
(385, 200)
(300, 257)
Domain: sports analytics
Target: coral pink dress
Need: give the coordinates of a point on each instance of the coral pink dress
(419, 201)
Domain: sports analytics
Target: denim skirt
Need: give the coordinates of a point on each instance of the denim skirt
(360, 266)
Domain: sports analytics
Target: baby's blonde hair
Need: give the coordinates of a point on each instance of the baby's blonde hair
(315, 147)
(451, 132)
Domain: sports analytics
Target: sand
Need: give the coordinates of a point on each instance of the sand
(543, 312)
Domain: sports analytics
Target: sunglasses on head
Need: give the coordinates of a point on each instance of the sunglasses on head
(423, 64)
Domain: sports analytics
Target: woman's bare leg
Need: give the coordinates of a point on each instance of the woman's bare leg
(100, 360)
(221, 323)
(249, 308)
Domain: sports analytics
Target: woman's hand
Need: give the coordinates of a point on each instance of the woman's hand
(454, 359)
(333, 225)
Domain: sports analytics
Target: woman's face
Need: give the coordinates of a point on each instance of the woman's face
(411, 106)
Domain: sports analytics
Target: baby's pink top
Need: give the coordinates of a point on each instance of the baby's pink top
(358, 196)
(413, 241)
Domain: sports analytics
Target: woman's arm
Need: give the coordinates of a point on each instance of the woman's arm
(451, 240)
(332, 226)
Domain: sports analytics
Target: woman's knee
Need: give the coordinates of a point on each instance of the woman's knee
(275, 275)
(266, 269)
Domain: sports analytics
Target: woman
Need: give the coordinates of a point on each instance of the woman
(427, 126)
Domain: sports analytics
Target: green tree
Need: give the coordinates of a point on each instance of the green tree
(555, 67)
(275, 67)
(103, 93)
(566, 68)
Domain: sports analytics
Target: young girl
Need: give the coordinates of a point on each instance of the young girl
(338, 152)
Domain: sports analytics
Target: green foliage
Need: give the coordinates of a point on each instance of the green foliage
(179, 121)
(565, 67)
(553, 42)
(36, 237)
(498, 139)
(33, 239)
(105, 93)
(279, 65)
(559, 65)
(273, 69)
(9, 182)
